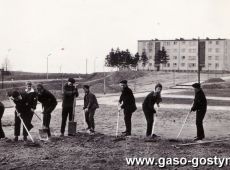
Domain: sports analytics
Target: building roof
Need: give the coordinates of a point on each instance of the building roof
(181, 39)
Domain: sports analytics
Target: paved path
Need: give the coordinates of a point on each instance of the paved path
(112, 99)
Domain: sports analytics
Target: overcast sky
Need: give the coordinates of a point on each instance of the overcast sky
(33, 29)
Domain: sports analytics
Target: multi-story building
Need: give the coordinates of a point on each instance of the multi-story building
(183, 55)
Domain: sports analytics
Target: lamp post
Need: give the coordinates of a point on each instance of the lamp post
(2, 73)
(94, 64)
(198, 71)
(47, 65)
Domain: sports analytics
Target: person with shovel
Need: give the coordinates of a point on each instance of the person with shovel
(49, 102)
(22, 113)
(2, 108)
(32, 99)
(149, 110)
(69, 93)
(127, 102)
(200, 106)
(90, 106)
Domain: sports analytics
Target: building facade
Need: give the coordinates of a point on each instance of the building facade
(214, 54)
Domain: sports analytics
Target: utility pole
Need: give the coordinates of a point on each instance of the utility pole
(104, 78)
(198, 71)
(2, 73)
(47, 72)
(86, 63)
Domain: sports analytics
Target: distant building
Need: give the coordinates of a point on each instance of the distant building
(183, 54)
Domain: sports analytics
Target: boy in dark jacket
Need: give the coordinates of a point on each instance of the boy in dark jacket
(23, 110)
(127, 102)
(2, 108)
(90, 106)
(69, 93)
(49, 103)
(200, 106)
(148, 108)
(32, 99)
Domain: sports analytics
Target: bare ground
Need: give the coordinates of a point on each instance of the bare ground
(100, 151)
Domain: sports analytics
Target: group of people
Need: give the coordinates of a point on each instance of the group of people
(26, 102)
(127, 103)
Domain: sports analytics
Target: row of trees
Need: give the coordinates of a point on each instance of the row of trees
(124, 59)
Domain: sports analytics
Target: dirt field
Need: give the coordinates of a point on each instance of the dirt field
(100, 151)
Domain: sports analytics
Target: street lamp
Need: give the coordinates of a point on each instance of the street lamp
(2, 73)
(95, 64)
(47, 65)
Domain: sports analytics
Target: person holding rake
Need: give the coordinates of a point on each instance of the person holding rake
(200, 106)
(149, 110)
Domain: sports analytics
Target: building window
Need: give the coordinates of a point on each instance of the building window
(174, 57)
(143, 50)
(183, 57)
(174, 50)
(209, 57)
(174, 42)
(168, 50)
(168, 64)
(217, 65)
(174, 64)
(217, 50)
(209, 50)
(193, 50)
(192, 57)
(183, 42)
(150, 50)
(192, 65)
(168, 42)
(210, 42)
(183, 50)
(217, 42)
(182, 64)
(209, 64)
(150, 57)
(217, 57)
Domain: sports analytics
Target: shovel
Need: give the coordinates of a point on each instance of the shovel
(118, 138)
(43, 135)
(72, 126)
(176, 140)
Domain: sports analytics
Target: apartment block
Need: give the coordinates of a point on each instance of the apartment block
(214, 54)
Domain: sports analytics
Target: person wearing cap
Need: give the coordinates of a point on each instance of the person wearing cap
(90, 106)
(127, 103)
(2, 108)
(23, 110)
(49, 102)
(149, 110)
(69, 93)
(32, 99)
(200, 106)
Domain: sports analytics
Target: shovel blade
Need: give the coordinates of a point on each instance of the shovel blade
(43, 135)
(72, 128)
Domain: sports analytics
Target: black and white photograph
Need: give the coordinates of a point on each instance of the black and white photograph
(114, 84)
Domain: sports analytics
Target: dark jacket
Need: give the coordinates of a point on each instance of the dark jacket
(69, 92)
(128, 100)
(47, 99)
(90, 101)
(200, 102)
(32, 97)
(150, 100)
(2, 108)
(22, 106)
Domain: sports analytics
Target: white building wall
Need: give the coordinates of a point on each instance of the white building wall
(183, 54)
